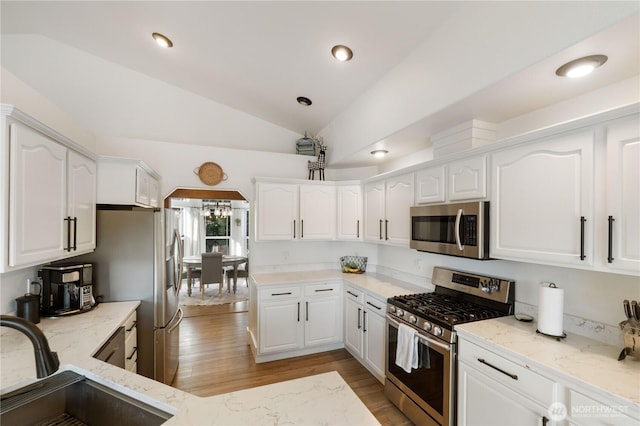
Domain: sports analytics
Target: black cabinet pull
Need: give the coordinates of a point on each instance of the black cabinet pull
(75, 233)
(301, 228)
(371, 304)
(307, 310)
(132, 326)
(294, 228)
(298, 311)
(323, 289)
(280, 294)
(359, 325)
(513, 376)
(364, 321)
(68, 220)
(354, 295)
(135, 349)
(610, 252)
(380, 228)
(545, 420)
(582, 221)
(386, 229)
(357, 228)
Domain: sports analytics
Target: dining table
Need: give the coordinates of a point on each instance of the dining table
(194, 262)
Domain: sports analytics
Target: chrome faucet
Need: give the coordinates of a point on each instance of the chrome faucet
(47, 362)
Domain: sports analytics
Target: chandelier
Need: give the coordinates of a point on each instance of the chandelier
(216, 209)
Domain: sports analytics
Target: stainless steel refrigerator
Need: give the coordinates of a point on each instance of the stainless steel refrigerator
(138, 257)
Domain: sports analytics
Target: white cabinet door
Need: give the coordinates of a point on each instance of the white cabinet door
(154, 192)
(430, 185)
(277, 211)
(317, 212)
(322, 321)
(280, 326)
(398, 199)
(623, 196)
(38, 197)
(483, 401)
(542, 207)
(82, 201)
(374, 203)
(374, 346)
(353, 326)
(143, 187)
(467, 179)
(349, 219)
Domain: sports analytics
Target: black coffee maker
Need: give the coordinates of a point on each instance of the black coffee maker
(66, 289)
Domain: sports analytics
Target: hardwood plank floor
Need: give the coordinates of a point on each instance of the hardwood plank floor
(215, 359)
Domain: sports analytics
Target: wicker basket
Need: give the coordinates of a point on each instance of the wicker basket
(353, 264)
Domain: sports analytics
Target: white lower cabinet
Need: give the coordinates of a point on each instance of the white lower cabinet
(298, 319)
(131, 343)
(364, 329)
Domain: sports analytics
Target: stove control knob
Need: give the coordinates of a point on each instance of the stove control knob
(427, 326)
(400, 313)
(392, 309)
(413, 319)
(437, 331)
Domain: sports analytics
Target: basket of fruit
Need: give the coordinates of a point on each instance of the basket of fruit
(353, 264)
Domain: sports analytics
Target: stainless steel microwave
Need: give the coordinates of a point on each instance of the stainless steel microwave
(456, 229)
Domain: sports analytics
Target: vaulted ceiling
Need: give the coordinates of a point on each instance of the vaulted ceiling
(236, 67)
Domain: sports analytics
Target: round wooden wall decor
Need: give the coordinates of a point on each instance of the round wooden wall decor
(210, 173)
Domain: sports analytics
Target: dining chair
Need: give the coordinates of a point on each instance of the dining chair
(242, 273)
(211, 272)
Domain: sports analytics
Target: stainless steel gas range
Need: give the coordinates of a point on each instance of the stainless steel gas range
(427, 395)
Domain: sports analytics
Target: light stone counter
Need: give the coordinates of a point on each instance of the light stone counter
(315, 400)
(380, 285)
(578, 360)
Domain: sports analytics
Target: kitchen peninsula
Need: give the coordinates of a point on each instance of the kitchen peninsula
(320, 399)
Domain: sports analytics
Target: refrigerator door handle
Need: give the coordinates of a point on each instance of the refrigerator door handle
(180, 313)
(178, 243)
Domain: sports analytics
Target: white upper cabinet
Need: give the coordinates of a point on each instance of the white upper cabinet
(542, 206)
(386, 209)
(349, 217)
(127, 181)
(51, 193)
(622, 213)
(288, 211)
(464, 179)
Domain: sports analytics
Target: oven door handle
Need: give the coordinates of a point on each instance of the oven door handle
(457, 230)
(426, 340)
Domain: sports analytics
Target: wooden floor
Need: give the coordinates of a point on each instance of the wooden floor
(215, 359)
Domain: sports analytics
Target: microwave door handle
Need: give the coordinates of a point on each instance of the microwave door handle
(457, 230)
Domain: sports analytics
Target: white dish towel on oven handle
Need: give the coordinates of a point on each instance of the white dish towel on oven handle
(407, 348)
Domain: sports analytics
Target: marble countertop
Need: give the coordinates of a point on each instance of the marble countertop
(378, 284)
(315, 400)
(576, 359)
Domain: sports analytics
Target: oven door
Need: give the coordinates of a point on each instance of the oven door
(430, 386)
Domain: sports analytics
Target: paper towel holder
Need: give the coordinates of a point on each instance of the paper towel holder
(564, 335)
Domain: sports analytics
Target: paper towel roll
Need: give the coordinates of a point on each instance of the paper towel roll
(550, 310)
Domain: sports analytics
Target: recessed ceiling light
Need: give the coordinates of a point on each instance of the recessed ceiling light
(162, 40)
(304, 101)
(342, 53)
(379, 153)
(581, 67)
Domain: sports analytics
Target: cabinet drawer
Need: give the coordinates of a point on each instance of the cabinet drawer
(516, 376)
(354, 294)
(324, 289)
(374, 305)
(130, 325)
(280, 293)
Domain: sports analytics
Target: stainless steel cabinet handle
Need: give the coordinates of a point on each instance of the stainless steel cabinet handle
(582, 221)
(610, 251)
(513, 376)
(135, 349)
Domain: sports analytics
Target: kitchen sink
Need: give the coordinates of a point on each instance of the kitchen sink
(68, 398)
